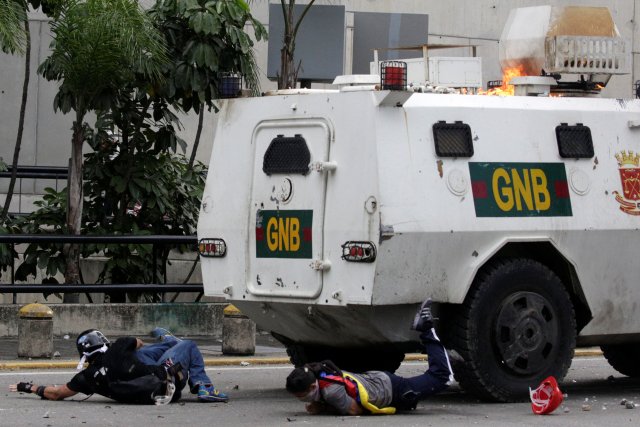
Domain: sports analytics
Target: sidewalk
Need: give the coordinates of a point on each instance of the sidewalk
(268, 351)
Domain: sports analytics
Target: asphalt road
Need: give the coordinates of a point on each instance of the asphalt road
(258, 398)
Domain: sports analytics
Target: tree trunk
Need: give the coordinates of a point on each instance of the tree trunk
(23, 107)
(288, 78)
(74, 203)
(197, 140)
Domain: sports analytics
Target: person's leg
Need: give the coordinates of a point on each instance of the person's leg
(186, 353)
(435, 379)
(150, 354)
(439, 373)
(162, 333)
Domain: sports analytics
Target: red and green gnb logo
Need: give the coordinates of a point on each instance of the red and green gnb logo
(520, 189)
(284, 233)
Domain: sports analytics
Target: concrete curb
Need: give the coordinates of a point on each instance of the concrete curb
(222, 361)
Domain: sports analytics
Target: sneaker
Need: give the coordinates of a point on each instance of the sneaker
(160, 333)
(423, 321)
(208, 393)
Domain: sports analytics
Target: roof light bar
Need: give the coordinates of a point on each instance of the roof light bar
(355, 251)
(212, 248)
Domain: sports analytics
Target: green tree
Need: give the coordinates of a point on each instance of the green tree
(137, 185)
(98, 46)
(206, 40)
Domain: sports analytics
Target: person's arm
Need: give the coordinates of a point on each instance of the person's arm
(337, 398)
(49, 392)
(355, 408)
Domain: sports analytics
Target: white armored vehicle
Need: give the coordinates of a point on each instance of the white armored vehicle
(328, 215)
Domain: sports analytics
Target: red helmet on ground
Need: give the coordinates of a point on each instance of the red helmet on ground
(546, 398)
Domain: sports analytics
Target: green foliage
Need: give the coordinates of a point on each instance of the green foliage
(169, 205)
(206, 38)
(134, 185)
(13, 38)
(47, 219)
(98, 47)
(7, 254)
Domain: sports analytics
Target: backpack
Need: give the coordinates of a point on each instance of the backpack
(138, 390)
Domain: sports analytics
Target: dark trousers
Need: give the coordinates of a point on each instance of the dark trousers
(407, 391)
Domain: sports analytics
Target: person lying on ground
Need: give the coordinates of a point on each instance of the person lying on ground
(327, 389)
(130, 372)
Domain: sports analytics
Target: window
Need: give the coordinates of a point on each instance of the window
(287, 155)
(574, 142)
(452, 139)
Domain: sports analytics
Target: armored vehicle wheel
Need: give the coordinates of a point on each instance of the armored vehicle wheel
(353, 360)
(623, 358)
(516, 327)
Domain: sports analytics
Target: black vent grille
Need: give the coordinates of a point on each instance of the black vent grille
(574, 142)
(453, 139)
(287, 155)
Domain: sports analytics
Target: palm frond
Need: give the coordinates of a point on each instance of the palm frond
(99, 45)
(13, 14)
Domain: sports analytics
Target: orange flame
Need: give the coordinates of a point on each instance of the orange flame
(506, 89)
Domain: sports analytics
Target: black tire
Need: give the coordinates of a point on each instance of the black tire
(516, 327)
(623, 358)
(352, 360)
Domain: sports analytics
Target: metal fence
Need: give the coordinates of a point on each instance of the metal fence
(56, 173)
(15, 239)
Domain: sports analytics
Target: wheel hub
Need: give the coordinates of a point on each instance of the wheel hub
(525, 332)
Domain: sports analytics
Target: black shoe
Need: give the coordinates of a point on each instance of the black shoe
(423, 321)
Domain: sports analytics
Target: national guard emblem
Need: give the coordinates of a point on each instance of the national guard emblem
(629, 167)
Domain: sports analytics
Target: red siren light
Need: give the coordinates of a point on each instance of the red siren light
(393, 75)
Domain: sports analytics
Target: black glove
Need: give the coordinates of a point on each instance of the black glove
(25, 387)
